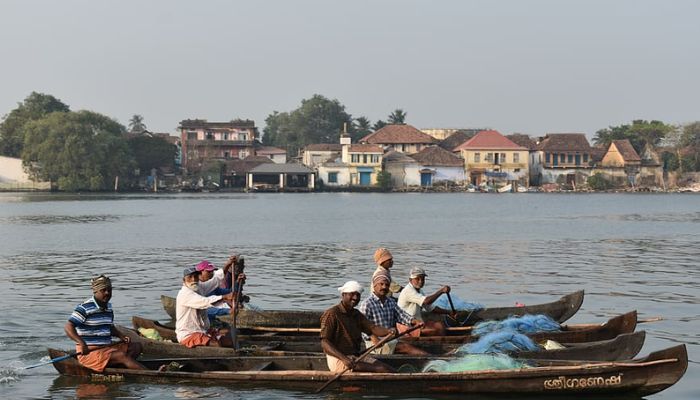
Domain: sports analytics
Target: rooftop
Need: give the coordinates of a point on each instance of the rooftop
(437, 156)
(489, 140)
(397, 134)
(564, 142)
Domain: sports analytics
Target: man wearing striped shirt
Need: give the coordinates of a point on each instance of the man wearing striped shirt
(91, 326)
(383, 310)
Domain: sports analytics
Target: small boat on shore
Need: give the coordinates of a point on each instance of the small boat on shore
(560, 310)
(639, 377)
(589, 341)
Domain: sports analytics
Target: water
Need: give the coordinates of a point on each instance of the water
(627, 251)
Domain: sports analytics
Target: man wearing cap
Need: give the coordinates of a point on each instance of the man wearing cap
(384, 261)
(382, 309)
(91, 326)
(342, 327)
(413, 301)
(206, 272)
(192, 324)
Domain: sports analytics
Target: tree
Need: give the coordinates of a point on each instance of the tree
(690, 135)
(362, 128)
(34, 107)
(317, 120)
(598, 182)
(152, 152)
(379, 125)
(136, 124)
(639, 133)
(384, 180)
(80, 150)
(398, 116)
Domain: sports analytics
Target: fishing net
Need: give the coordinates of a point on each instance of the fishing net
(475, 362)
(499, 342)
(524, 324)
(460, 305)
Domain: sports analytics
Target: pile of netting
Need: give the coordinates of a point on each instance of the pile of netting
(509, 335)
(475, 362)
(524, 324)
(460, 305)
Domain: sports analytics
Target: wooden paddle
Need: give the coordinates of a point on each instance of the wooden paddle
(234, 312)
(69, 355)
(368, 351)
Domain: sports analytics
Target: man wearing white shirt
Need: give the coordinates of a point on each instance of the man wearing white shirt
(413, 301)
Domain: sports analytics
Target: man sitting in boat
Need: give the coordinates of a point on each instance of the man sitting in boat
(384, 261)
(206, 270)
(342, 327)
(192, 324)
(383, 310)
(91, 326)
(413, 301)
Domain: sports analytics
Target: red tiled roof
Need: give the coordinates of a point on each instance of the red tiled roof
(397, 134)
(626, 150)
(324, 147)
(437, 156)
(523, 140)
(365, 148)
(564, 142)
(270, 150)
(489, 140)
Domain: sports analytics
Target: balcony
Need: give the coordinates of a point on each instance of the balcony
(212, 142)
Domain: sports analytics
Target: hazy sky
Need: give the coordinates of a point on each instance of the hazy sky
(516, 66)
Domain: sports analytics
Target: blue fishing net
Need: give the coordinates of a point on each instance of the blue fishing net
(474, 362)
(460, 305)
(499, 342)
(525, 324)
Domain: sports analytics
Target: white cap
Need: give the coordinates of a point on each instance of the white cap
(350, 287)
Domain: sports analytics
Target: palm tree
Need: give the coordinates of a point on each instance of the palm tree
(136, 124)
(397, 117)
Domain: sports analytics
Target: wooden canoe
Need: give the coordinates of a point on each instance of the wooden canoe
(639, 377)
(560, 310)
(624, 346)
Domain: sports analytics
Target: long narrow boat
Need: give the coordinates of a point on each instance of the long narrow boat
(640, 377)
(624, 346)
(560, 310)
(624, 323)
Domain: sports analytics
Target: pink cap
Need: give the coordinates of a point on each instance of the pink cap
(205, 265)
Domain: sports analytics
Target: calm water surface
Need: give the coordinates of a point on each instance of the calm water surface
(627, 251)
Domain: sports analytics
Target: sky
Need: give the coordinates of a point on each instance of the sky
(531, 67)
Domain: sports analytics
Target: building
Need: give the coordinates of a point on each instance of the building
(281, 177)
(203, 142)
(277, 155)
(235, 171)
(439, 165)
(621, 164)
(314, 155)
(404, 170)
(399, 137)
(563, 158)
(358, 165)
(491, 158)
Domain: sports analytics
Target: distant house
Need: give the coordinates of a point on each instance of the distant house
(564, 158)
(235, 171)
(358, 163)
(275, 154)
(203, 141)
(533, 156)
(490, 157)
(404, 170)
(621, 163)
(282, 177)
(439, 165)
(651, 172)
(314, 155)
(456, 139)
(399, 137)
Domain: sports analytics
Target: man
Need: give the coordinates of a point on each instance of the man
(413, 301)
(384, 261)
(91, 326)
(341, 333)
(192, 324)
(206, 272)
(382, 309)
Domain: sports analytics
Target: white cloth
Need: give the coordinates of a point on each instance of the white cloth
(351, 287)
(191, 307)
(411, 300)
(388, 347)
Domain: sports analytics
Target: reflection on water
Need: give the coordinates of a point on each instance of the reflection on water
(627, 253)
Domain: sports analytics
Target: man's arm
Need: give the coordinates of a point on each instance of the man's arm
(433, 297)
(331, 350)
(73, 335)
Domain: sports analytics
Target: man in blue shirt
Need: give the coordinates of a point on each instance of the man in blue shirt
(91, 326)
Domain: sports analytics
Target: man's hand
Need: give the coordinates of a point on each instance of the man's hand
(445, 289)
(241, 277)
(230, 262)
(392, 332)
(84, 350)
(350, 362)
(228, 297)
(125, 339)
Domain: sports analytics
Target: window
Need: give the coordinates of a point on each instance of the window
(570, 158)
(355, 158)
(585, 158)
(503, 157)
(364, 159)
(477, 157)
(191, 135)
(562, 158)
(375, 158)
(210, 136)
(403, 147)
(516, 158)
(489, 157)
(516, 170)
(241, 136)
(546, 158)
(332, 177)
(225, 136)
(227, 154)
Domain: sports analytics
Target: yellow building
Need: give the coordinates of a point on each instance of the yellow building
(490, 157)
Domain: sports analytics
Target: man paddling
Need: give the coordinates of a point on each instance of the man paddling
(341, 333)
(206, 272)
(91, 326)
(382, 309)
(192, 323)
(413, 301)
(384, 261)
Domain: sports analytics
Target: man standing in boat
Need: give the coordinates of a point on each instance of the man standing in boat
(91, 326)
(192, 323)
(342, 327)
(383, 310)
(413, 301)
(384, 261)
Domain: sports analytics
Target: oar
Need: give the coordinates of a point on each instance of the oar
(452, 306)
(67, 356)
(368, 351)
(234, 312)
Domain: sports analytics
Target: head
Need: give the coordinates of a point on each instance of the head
(206, 270)
(350, 294)
(101, 289)
(384, 258)
(380, 285)
(417, 277)
(190, 278)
